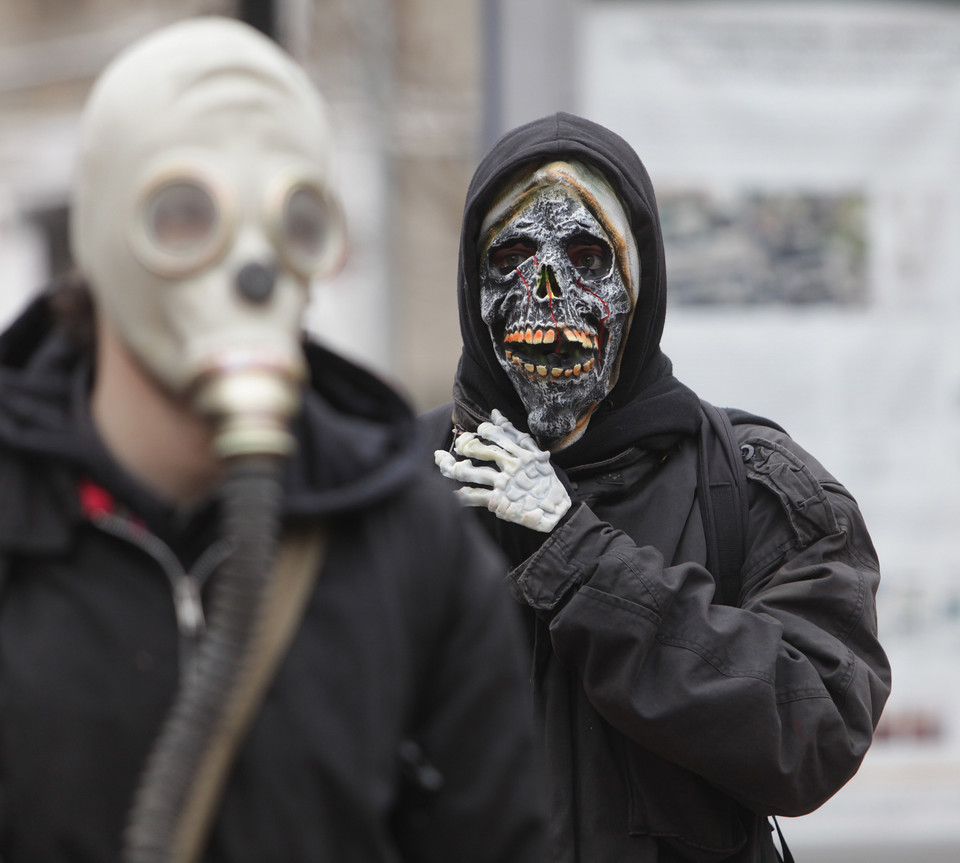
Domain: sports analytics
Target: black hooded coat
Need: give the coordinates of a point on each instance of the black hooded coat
(673, 725)
(390, 731)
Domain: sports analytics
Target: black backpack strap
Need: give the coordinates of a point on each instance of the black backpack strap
(722, 487)
(723, 494)
(785, 855)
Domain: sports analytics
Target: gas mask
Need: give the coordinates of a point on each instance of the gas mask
(559, 270)
(201, 213)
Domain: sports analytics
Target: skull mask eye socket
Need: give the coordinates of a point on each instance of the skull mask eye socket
(591, 257)
(509, 255)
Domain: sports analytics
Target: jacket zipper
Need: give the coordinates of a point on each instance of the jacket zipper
(185, 586)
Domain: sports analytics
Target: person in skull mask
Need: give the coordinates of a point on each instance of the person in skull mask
(391, 723)
(674, 724)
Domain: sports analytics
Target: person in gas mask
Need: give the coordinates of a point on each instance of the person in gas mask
(675, 721)
(239, 619)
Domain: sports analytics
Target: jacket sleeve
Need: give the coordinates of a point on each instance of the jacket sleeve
(774, 701)
(476, 771)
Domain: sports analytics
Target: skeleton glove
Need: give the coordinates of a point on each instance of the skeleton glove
(522, 487)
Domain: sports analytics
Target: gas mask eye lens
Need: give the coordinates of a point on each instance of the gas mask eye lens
(181, 217)
(306, 223)
(182, 223)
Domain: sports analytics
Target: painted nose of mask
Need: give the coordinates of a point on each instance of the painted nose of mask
(548, 287)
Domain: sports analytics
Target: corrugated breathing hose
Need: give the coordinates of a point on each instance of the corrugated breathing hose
(252, 617)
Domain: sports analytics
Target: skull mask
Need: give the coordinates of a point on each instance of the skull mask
(558, 270)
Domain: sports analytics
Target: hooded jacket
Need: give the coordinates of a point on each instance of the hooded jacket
(673, 725)
(396, 725)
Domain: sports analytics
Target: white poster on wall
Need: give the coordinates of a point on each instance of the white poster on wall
(845, 100)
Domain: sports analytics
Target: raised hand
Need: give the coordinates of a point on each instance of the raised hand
(523, 487)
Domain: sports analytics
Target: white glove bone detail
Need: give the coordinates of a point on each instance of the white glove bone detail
(525, 489)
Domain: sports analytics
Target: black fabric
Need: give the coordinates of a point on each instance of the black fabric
(648, 405)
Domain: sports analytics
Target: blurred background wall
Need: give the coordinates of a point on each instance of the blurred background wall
(806, 157)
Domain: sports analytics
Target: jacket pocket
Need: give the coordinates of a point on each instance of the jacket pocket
(680, 810)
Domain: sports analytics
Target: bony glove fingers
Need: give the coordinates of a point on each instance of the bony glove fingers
(501, 437)
(507, 431)
(521, 442)
(521, 445)
(471, 445)
(474, 496)
(461, 440)
(499, 420)
(445, 461)
(476, 448)
(528, 446)
(462, 470)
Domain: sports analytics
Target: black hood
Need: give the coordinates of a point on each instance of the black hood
(357, 439)
(647, 403)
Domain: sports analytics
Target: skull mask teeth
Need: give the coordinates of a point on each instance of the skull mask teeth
(555, 302)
